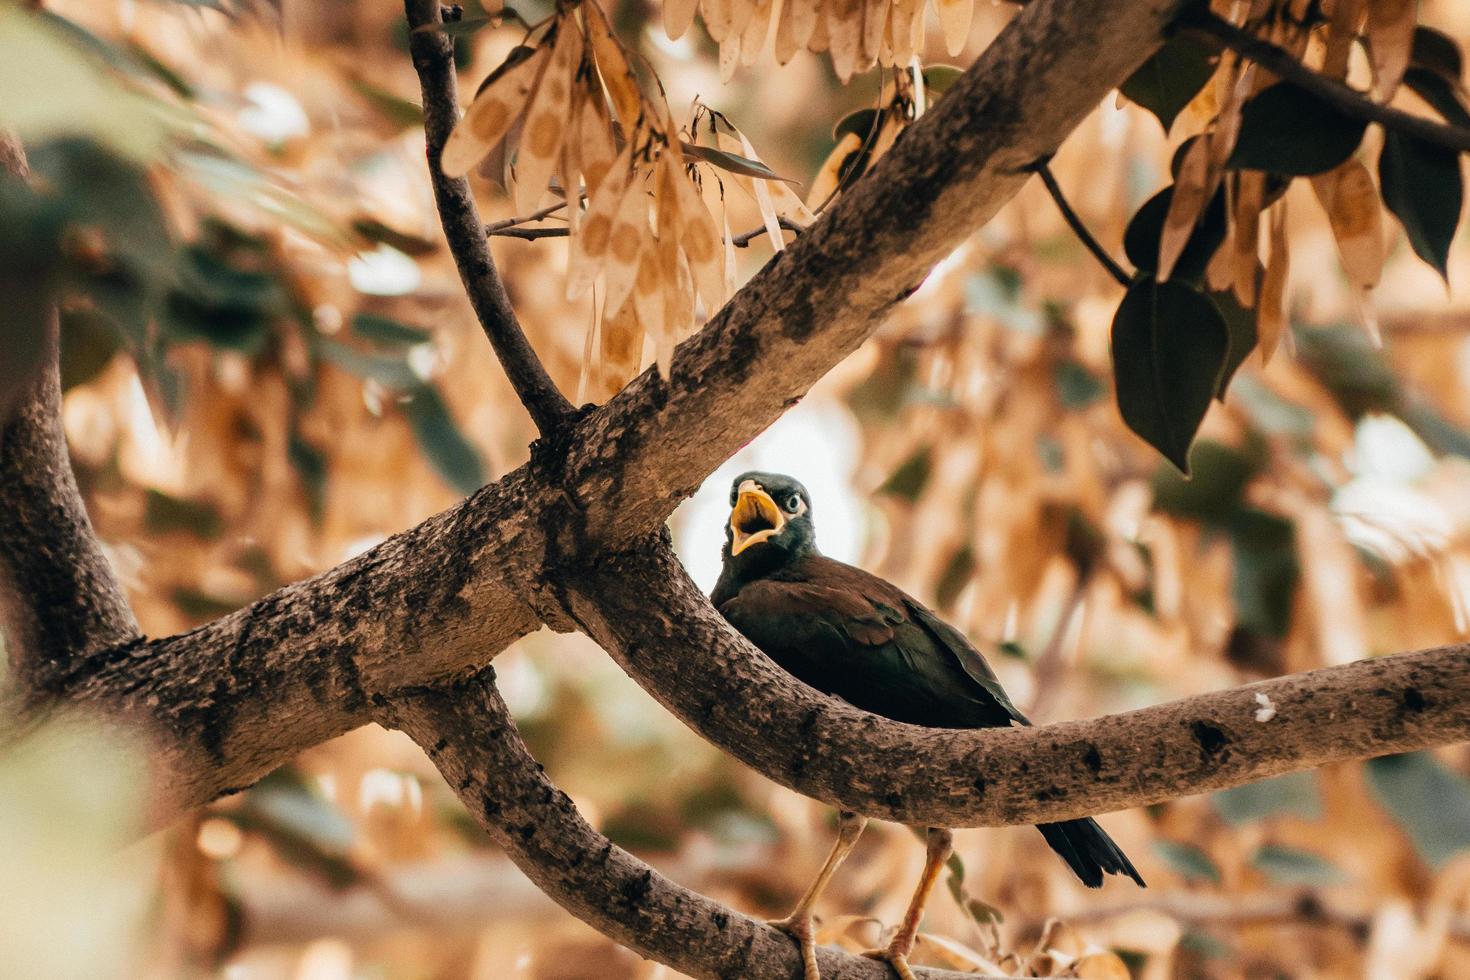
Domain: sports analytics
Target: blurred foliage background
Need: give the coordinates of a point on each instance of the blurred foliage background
(269, 367)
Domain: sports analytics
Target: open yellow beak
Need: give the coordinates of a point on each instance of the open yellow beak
(754, 519)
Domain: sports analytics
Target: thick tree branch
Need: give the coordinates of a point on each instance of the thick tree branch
(433, 57)
(471, 737)
(682, 652)
(1212, 28)
(59, 597)
(239, 697)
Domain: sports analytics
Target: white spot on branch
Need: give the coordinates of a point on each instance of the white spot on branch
(1267, 709)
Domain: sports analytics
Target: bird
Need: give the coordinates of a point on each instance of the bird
(852, 635)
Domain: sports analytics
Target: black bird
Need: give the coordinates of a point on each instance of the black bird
(850, 634)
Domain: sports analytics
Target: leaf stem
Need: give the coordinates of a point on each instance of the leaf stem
(1042, 168)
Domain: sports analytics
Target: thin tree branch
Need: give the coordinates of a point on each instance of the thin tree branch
(742, 702)
(1200, 21)
(1074, 221)
(512, 228)
(468, 732)
(546, 212)
(433, 57)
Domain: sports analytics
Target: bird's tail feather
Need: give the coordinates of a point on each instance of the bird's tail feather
(1089, 851)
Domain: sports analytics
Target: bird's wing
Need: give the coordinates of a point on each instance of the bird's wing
(849, 632)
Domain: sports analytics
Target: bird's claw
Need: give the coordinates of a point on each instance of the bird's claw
(894, 957)
(799, 928)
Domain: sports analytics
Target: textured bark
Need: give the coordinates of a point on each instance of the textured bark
(245, 694)
(59, 597)
(472, 739)
(681, 651)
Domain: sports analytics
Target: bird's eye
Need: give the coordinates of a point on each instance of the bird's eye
(792, 503)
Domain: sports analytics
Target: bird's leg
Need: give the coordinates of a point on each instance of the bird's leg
(940, 844)
(798, 925)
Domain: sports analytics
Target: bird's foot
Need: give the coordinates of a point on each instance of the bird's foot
(799, 928)
(896, 956)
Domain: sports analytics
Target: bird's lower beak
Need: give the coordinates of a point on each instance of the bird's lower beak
(754, 519)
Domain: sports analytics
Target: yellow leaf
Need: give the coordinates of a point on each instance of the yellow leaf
(1350, 199)
(954, 18)
(1391, 40)
(678, 16)
(612, 64)
(497, 106)
(1191, 191)
(1271, 314)
(594, 236)
(546, 120)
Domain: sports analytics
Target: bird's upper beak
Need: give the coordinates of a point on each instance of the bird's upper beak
(754, 519)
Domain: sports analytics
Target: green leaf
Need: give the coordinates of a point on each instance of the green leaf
(1215, 491)
(386, 330)
(163, 513)
(1165, 83)
(1141, 238)
(397, 110)
(1287, 130)
(1423, 187)
(733, 162)
(939, 78)
(1430, 802)
(908, 481)
(954, 577)
(222, 300)
(1169, 347)
(1295, 793)
(1187, 860)
(311, 467)
(451, 454)
(1077, 387)
(1240, 321)
(88, 344)
(1291, 866)
(859, 123)
(389, 370)
(1266, 571)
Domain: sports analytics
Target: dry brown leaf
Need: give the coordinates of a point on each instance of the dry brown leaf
(1192, 188)
(1271, 314)
(794, 26)
(490, 116)
(753, 38)
(612, 64)
(589, 348)
(622, 347)
(648, 299)
(1391, 40)
(678, 16)
(820, 40)
(1350, 198)
(590, 246)
(759, 189)
(954, 18)
(875, 19)
(845, 35)
(1342, 31)
(597, 150)
(717, 18)
(1250, 191)
(827, 179)
(700, 240)
(625, 243)
(569, 167)
(546, 119)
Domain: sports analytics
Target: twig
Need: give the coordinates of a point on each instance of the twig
(1042, 168)
(511, 229)
(433, 58)
(545, 212)
(1200, 21)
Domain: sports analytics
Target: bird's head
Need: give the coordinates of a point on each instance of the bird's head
(770, 522)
